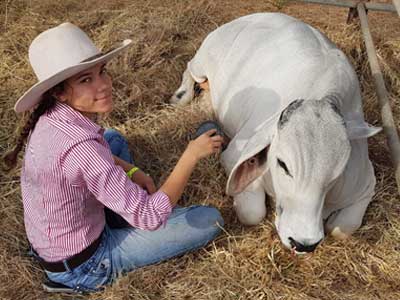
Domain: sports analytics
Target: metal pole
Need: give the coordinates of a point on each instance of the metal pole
(351, 3)
(397, 5)
(389, 126)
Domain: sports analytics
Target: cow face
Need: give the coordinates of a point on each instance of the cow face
(307, 154)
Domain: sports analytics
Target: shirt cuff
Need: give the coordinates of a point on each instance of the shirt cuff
(162, 205)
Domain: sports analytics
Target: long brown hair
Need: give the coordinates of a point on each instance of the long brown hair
(48, 101)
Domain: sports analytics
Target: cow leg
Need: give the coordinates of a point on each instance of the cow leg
(342, 223)
(250, 204)
(184, 94)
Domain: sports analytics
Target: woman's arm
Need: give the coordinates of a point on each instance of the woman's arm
(91, 162)
(139, 177)
(203, 146)
(177, 180)
(124, 164)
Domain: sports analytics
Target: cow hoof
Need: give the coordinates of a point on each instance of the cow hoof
(250, 220)
(337, 233)
(176, 98)
(181, 97)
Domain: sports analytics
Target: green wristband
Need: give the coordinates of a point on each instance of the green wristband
(132, 171)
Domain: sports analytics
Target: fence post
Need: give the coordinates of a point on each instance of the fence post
(389, 126)
(397, 5)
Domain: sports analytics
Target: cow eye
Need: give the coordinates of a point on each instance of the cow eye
(252, 161)
(284, 167)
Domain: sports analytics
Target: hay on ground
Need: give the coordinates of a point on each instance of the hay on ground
(244, 262)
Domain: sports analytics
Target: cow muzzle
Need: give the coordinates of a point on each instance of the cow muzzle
(302, 248)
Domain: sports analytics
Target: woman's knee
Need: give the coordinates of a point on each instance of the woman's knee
(118, 144)
(111, 135)
(205, 217)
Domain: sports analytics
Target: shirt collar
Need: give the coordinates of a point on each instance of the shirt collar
(64, 112)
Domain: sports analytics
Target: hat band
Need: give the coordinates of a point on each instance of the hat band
(96, 56)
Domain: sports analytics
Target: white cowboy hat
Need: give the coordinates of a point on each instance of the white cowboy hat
(57, 54)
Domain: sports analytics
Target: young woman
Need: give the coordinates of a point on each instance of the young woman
(73, 169)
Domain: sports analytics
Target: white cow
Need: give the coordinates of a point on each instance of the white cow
(290, 102)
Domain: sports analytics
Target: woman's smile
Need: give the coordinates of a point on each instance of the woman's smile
(107, 98)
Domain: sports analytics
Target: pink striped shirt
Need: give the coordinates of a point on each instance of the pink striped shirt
(67, 178)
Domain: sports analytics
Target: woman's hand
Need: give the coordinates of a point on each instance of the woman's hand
(144, 181)
(205, 145)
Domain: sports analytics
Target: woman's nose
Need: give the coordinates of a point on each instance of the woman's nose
(104, 83)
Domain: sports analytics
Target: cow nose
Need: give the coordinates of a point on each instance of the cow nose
(302, 248)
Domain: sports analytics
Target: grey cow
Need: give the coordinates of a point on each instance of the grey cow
(290, 102)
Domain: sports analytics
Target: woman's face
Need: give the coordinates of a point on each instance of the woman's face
(89, 91)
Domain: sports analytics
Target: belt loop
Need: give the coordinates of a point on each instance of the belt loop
(67, 268)
(33, 253)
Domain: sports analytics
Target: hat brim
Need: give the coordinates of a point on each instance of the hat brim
(34, 94)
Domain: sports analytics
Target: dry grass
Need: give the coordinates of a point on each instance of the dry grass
(244, 262)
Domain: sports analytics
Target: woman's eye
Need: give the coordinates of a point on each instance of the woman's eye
(103, 71)
(86, 80)
(284, 167)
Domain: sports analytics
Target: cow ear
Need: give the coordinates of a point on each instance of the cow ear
(249, 171)
(355, 126)
(358, 130)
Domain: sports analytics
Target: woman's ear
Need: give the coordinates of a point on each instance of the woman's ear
(60, 96)
(60, 92)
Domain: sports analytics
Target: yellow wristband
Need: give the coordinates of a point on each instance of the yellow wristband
(132, 171)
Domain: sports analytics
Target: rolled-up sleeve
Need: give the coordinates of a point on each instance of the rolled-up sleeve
(91, 163)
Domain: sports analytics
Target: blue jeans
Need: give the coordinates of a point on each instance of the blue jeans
(126, 249)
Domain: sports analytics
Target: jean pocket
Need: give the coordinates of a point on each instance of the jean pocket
(101, 269)
(95, 276)
(95, 272)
